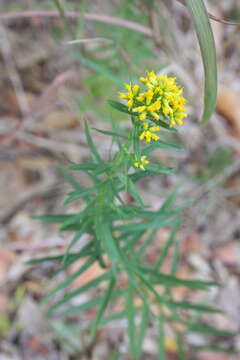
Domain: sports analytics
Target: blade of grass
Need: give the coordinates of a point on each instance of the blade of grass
(207, 45)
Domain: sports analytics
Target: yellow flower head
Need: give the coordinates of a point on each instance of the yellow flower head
(140, 164)
(161, 98)
(148, 133)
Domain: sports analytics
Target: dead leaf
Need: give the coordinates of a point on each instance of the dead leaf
(58, 120)
(228, 253)
(7, 258)
(212, 356)
(228, 106)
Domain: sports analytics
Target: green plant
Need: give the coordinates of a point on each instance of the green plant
(120, 233)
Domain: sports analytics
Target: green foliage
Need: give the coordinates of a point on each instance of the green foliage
(207, 45)
(119, 236)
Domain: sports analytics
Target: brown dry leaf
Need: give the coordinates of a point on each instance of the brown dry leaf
(228, 106)
(33, 162)
(228, 253)
(212, 356)
(4, 303)
(191, 243)
(7, 258)
(59, 120)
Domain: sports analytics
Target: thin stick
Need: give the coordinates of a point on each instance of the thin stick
(74, 15)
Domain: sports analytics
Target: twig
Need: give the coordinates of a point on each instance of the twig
(213, 17)
(26, 196)
(16, 15)
(45, 97)
(225, 174)
(16, 83)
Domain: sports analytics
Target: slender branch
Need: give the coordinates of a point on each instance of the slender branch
(17, 15)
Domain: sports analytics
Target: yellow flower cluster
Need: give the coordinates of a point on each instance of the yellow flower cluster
(140, 164)
(148, 133)
(162, 99)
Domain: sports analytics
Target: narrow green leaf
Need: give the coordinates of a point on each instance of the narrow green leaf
(53, 219)
(76, 238)
(177, 304)
(84, 166)
(141, 226)
(130, 311)
(110, 133)
(80, 290)
(78, 308)
(99, 68)
(180, 344)
(161, 339)
(146, 242)
(71, 258)
(142, 330)
(80, 194)
(70, 278)
(120, 107)
(169, 280)
(167, 246)
(70, 179)
(212, 348)
(158, 169)
(85, 251)
(90, 304)
(131, 188)
(169, 200)
(160, 145)
(207, 45)
(105, 240)
(91, 145)
(103, 304)
(210, 330)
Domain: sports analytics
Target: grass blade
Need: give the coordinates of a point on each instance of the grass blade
(208, 51)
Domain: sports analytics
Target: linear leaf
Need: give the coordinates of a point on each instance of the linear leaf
(130, 311)
(102, 308)
(167, 246)
(53, 218)
(178, 304)
(80, 194)
(161, 339)
(85, 251)
(80, 290)
(131, 188)
(169, 280)
(91, 303)
(70, 278)
(160, 145)
(120, 107)
(84, 166)
(110, 133)
(212, 348)
(142, 329)
(158, 169)
(69, 178)
(145, 225)
(91, 145)
(210, 330)
(208, 50)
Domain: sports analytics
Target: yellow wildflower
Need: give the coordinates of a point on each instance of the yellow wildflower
(141, 164)
(162, 98)
(148, 133)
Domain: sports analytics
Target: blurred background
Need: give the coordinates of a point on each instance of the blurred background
(49, 84)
